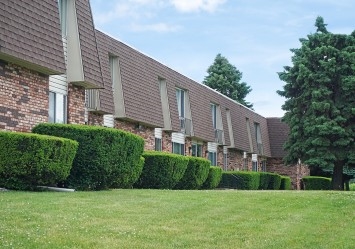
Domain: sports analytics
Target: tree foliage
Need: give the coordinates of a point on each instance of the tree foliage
(320, 101)
(225, 78)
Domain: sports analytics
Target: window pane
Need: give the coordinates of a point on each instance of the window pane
(158, 146)
(59, 108)
(194, 150)
(199, 150)
(212, 157)
(51, 108)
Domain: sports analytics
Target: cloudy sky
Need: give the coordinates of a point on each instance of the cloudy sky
(254, 35)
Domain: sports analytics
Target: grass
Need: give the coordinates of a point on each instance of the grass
(177, 219)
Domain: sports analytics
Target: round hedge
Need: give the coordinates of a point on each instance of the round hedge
(162, 170)
(213, 179)
(28, 160)
(105, 156)
(285, 183)
(196, 173)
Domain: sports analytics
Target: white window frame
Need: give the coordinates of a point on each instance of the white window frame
(57, 110)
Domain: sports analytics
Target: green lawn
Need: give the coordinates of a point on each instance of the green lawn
(177, 219)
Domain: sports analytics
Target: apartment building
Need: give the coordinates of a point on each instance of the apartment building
(56, 67)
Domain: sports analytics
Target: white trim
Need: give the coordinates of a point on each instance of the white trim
(158, 133)
(177, 137)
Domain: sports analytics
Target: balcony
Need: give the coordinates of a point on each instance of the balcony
(185, 126)
(218, 136)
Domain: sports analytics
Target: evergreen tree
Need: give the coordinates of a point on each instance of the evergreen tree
(320, 102)
(225, 78)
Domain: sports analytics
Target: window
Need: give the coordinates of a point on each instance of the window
(63, 13)
(259, 143)
(158, 144)
(255, 166)
(214, 115)
(212, 156)
(180, 97)
(178, 148)
(263, 165)
(57, 108)
(196, 149)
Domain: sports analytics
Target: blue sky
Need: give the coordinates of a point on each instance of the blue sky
(254, 35)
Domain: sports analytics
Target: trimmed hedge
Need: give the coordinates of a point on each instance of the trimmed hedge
(246, 180)
(316, 183)
(275, 181)
(129, 181)
(105, 156)
(28, 160)
(285, 183)
(264, 180)
(162, 170)
(213, 179)
(196, 173)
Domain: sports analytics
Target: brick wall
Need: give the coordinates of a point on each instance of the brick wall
(147, 133)
(76, 105)
(23, 98)
(95, 119)
(295, 172)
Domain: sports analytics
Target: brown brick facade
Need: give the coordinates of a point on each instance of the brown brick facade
(296, 172)
(76, 105)
(95, 119)
(23, 98)
(147, 133)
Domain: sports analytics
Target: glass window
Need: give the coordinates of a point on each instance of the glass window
(180, 98)
(178, 148)
(212, 156)
(214, 115)
(57, 108)
(196, 150)
(51, 110)
(158, 144)
(255, 166)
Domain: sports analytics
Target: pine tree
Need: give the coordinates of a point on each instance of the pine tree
(320, 102)
(225, 78)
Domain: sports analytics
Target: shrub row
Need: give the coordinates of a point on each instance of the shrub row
(249, 180)
(28, 160)
(164, 170)
(316, 183)
(240, 180)
(106, 157)
(213, 179)
(285, 183)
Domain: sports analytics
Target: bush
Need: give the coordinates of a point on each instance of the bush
(285, 183)
(28, 160)
(275, 181)
(352, 186)
(246, 180)
(129, 181)
(264, 180)
(316, 183)
(162, 170)
(105, 156)
(213, 179)
(195, 175)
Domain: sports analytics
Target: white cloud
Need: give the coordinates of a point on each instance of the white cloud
(197, 5)
(156, 27)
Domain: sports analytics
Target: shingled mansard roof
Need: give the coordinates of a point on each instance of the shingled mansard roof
(30, 35)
